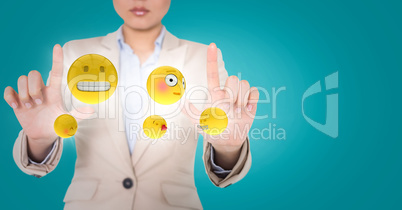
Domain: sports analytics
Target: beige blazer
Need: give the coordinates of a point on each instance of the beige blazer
(162, 171)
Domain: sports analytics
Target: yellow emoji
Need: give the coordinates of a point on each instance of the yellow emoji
(213, 121)
(154, 126)
(65, 126)
(166, 85)
(92, 78)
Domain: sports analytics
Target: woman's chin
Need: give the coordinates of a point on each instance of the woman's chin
(141, 25)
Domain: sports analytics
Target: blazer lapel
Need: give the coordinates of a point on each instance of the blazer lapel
(172, 54)
(115, 122)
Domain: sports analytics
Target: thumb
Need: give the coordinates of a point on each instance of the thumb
(191, 111)
(82, 113)
(194, 114)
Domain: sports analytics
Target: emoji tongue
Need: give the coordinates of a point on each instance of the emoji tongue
(163, 128)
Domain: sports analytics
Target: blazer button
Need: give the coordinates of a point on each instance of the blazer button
(127, 183)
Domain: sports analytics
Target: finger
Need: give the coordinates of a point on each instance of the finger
(56, 74)
(10, 96)
(191, 111)
(253, 98)
(82, 113)
(242, 97)
(35, 86)
(23, 91)
(231, 89)
(212, 67)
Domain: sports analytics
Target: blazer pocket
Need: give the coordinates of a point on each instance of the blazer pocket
(81, 190)
(181, 196)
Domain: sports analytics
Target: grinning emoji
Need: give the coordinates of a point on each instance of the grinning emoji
(154, 126)
(213, 121)
(166, 85)
(65, 126)
(92, 78)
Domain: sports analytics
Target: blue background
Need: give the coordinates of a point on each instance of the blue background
(274, 44)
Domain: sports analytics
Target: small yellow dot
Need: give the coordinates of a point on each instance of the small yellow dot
(65, 126)
(154, 126)
(213, 121)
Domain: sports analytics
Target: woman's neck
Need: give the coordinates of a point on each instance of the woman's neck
(142, 42)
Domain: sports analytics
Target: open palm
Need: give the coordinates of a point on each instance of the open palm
(36, 105)
(237, 99)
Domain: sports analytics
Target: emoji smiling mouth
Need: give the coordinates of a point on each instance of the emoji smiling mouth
(176, 93)
(93, 86)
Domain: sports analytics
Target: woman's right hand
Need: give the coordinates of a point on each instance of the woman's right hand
(36, 105)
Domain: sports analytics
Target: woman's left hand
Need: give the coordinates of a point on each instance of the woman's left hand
(238, 100)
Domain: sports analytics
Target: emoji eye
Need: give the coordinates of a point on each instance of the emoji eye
(71, 128)
(85, 68)
(171, 80)
(184, 83)
(102, 69)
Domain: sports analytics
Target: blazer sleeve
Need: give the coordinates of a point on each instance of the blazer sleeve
(20, 150)
(20, 154)
(243, 164)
